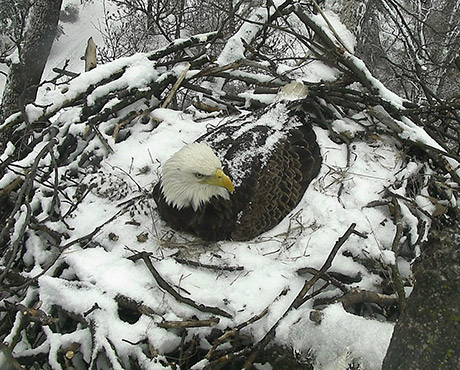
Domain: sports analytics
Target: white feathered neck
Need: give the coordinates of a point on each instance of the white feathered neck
(182, 176)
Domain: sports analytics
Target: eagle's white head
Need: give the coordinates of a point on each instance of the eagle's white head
(192, 176)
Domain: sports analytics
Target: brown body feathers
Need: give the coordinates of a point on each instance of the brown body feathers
(271, 158)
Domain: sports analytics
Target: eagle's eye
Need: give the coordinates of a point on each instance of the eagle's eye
(199, 175)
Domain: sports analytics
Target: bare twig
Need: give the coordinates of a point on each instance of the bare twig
(397, 281)
(188, 323)
(355, 296)
(207, 266)
(144, 256)
(176, 86)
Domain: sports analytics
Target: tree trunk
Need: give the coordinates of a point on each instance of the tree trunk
(427, 335)
(25, 76)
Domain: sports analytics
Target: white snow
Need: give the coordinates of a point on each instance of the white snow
(330, 23)
(234, 48)
(71, 45)
(339, 332)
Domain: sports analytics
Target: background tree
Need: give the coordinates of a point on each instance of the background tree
(144, 25)
(12, 24)
(33, 49)
(411, 46)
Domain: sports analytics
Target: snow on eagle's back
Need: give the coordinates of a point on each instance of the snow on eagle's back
(275, 120)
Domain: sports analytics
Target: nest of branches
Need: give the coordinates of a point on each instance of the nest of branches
(46, 158)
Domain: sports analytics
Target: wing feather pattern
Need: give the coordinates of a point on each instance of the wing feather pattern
(271, 158)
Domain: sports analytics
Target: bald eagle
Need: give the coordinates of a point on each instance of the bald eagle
(240, 179)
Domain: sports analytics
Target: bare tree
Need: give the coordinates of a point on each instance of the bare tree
(411, 45)
(12, 26)
(25, 73)
(143, 25)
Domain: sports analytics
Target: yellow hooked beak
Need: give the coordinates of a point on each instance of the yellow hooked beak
(220, 179)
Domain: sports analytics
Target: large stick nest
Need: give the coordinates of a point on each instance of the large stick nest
(55, 160)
